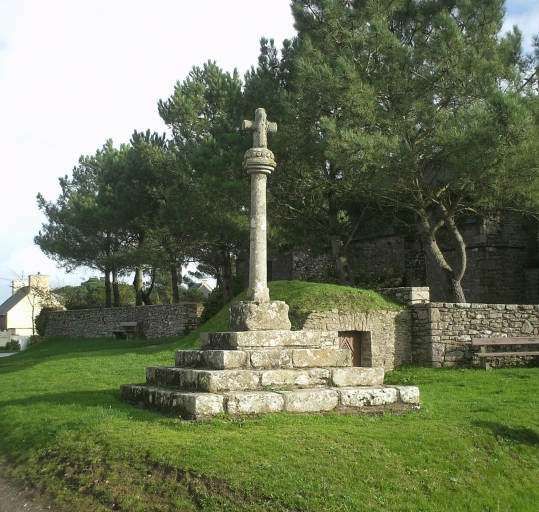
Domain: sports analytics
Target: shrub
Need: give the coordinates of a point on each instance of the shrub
(42, 319)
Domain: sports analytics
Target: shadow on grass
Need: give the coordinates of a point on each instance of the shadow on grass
(102, 398)
(35, 422)
(516, 435)
(59, 348)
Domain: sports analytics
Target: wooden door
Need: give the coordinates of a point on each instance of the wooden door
(359, 343)
(352, 341)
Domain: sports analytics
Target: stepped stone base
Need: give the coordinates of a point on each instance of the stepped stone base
(265, 371)
(198, 406)
(215, 381)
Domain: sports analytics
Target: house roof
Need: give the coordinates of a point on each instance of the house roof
(12, 301)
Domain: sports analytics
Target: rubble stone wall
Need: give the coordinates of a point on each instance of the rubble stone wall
(153, 321)
(390, 332)
(442, 332)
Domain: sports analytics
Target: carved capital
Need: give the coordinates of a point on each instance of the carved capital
(259, 160)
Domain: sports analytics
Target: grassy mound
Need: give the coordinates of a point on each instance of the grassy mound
(303, 298)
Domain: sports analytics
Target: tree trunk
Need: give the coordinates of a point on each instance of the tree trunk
(137, 284)
(146, 294)
(451, 280)
(176, 278)
(115, 288)
(108, 294)
(339, 255)
(458, 241)
(226, 275)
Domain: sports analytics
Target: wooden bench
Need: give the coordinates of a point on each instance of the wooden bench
(501, 342)
(127, 330)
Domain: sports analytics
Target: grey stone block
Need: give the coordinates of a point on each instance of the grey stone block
(408, 394)
(188, 358)
(303, 358)
(295, 378)
(215, 381)
(198, 406)
(310, 400)
(259, 316)
(357, 376)
(364, 397)
(271, 358)
(253, 402)
(259, 339)
(224, 359)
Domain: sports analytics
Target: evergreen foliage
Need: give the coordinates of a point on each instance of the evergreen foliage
(418, 111)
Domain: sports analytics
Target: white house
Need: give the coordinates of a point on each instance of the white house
(18, 312)
(203, 287)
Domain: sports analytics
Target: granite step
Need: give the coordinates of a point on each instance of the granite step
(248, 380)
(268, 339)
(198, 406)
(263, 358)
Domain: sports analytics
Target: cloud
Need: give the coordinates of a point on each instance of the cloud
(524, 14)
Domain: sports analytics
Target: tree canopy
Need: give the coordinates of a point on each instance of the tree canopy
(421, 111)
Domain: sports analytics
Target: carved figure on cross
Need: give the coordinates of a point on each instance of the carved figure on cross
(260, 126)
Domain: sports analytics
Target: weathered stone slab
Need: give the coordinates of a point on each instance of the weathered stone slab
(408, 394)
(225, 359)
(211, 359)
(198, 406)
(261, 402)
(365, 397)
(295, 378)
(259, 339)
(228, 380)
(357, 376)
(310, 400)
(137, 394)
(156, 375)
(303, 358)
(259, 316)
(270, 358)
(188, 358)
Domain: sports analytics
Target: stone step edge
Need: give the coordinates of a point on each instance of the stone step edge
(218, 381)
(200, 406)
(267, 358)
(268, 339)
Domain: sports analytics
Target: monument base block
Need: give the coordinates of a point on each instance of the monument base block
(259, 316)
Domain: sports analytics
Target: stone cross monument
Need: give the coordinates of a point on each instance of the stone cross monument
(258, 313)
(260, 366)
(259, 162)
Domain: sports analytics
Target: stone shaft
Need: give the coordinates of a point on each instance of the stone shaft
(258, 278)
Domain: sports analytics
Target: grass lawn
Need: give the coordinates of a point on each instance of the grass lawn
(473, 446)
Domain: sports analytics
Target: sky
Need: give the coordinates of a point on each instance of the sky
(76, 73)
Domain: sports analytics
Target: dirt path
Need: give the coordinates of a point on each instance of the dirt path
(15, 498)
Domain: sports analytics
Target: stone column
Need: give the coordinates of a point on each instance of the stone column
(259, 162)
(258, 313)
(258, 277)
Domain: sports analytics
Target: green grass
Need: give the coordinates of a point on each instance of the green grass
(302, 298)
(473, 446)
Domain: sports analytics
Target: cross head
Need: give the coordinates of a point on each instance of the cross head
(260, 126)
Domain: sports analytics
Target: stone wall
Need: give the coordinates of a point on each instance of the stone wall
(442, 332)
(502, 267)
(153, 321)
(390, 332)
(408, 295)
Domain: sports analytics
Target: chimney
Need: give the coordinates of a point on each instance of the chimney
(40, 281)
(17, 284)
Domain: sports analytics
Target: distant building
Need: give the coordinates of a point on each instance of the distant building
(19, 311)
(202, 287)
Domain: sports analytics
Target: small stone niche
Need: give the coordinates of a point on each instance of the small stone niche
(359, 343)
